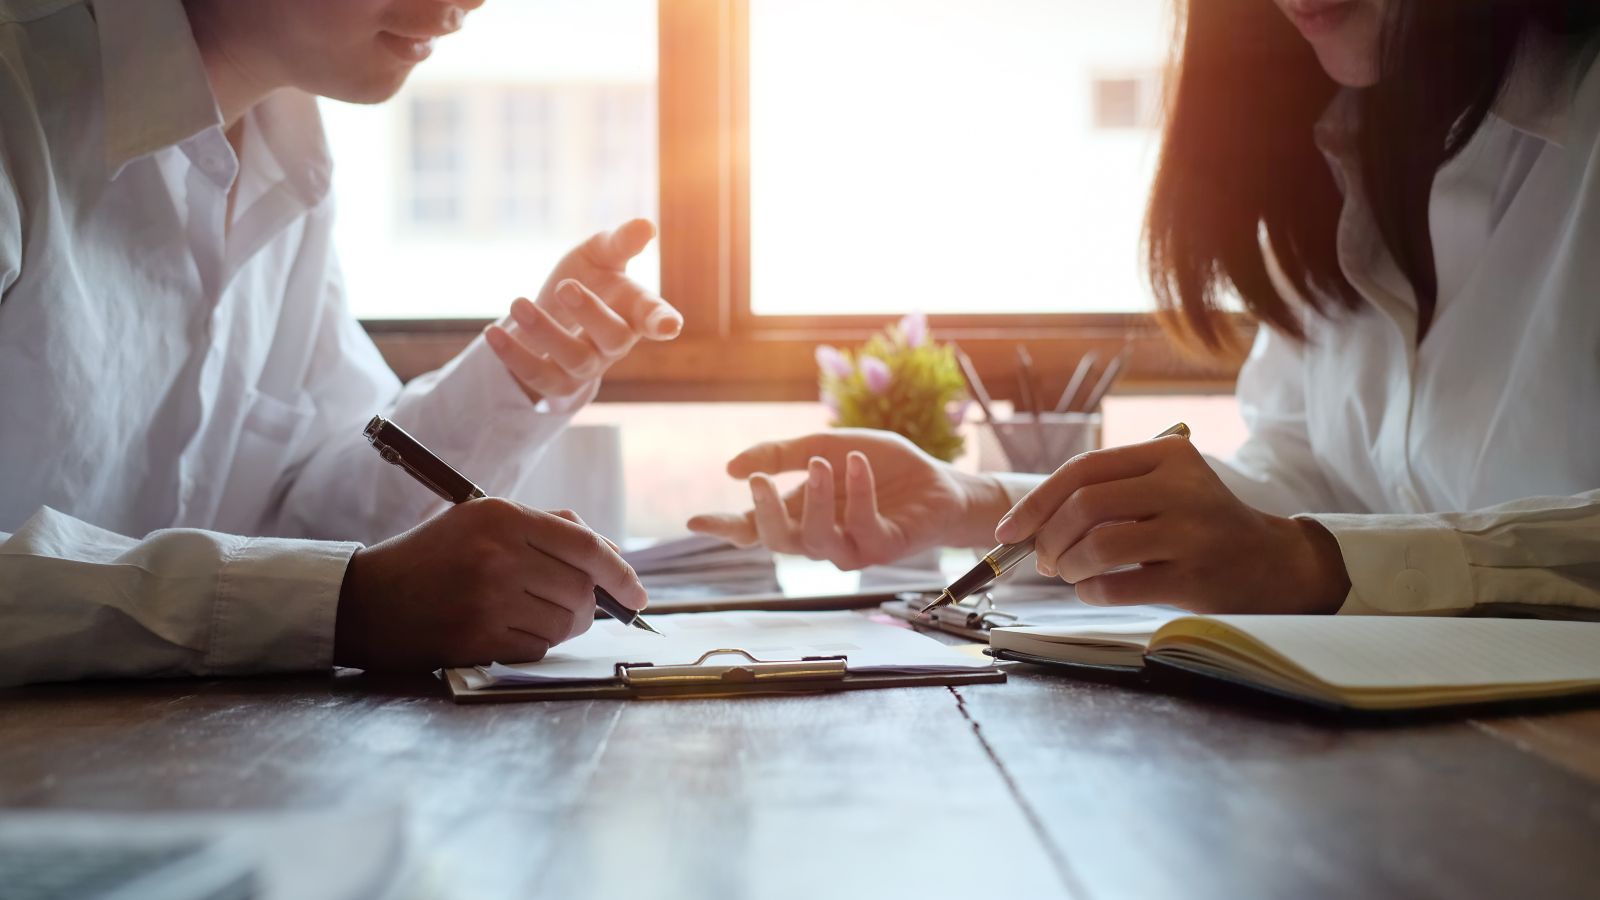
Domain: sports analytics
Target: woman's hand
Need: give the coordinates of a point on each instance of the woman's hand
(870, 497)
(588, 315)
(1152, 523)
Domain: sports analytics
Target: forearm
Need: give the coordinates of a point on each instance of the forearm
(81, 602)
(1538, 552)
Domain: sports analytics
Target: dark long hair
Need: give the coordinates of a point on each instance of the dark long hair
(1239, 167)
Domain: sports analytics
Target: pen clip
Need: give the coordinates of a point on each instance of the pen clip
(392, 455)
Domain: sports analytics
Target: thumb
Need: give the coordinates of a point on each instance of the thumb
(736, 528)
(613, 249)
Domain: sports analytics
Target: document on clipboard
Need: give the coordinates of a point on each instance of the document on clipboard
(726, 654)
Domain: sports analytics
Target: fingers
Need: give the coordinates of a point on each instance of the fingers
(775, 527)
(819, 529)
(613, 249)
(516, 646)
(1111, 547)
(537, 373)
(1094, 467)
(738, 529)
(582, 549)
(794, 454)
(871, 535)
(1128, 500)
(608, 332)
(537, 331)
(1152, 583)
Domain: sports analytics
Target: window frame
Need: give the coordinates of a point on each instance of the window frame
(726, 352)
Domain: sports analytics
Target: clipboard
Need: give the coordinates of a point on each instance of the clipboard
(742, 675)
(971, 618)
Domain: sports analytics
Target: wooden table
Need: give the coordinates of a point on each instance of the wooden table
(1041, 787)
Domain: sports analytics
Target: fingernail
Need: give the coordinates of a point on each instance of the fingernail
(568, 293)
(1002, 531)
(662, 323)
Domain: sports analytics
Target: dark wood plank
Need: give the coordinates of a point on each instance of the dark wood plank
(1153, 795)
(761, 797)
(1570, 740)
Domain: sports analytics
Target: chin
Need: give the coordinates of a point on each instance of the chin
(373, 86)
(1349, 70)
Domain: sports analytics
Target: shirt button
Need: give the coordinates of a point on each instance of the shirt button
(1411, 588)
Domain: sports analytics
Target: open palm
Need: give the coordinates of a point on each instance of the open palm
(892, 500)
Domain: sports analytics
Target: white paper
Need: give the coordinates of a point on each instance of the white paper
(768, 636)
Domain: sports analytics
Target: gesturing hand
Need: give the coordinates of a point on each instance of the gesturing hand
(893, 500)
(588, 315)
(1152, 523)
(485, 581)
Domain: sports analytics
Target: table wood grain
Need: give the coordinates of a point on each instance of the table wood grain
(1041, 787)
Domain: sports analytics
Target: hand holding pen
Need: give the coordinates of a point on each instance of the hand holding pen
(1153, 523)
(484, 580)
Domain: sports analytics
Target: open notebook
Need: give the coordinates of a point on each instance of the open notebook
(1358, 662)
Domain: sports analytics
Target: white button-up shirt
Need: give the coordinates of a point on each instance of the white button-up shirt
(170, 379)
(1462, 474)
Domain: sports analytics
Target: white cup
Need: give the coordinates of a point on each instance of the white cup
(581, 470)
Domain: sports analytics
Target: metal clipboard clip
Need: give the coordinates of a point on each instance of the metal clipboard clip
(978, 612)
(750, 671)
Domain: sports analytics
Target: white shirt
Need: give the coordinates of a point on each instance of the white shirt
(167, 382)
(1461, 475)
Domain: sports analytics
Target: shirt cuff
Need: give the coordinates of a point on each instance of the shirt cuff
(276, 604)
(1401, 565)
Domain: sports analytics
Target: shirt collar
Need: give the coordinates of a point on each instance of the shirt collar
(157, 95)
(1539, 93)
(156, 91)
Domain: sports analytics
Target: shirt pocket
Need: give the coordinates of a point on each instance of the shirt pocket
(270, 443)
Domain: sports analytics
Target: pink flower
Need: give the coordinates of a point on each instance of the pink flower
(958, 412)
(832, 362)
(876, 373)
(914, 328)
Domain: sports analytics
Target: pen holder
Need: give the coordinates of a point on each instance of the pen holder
(1024, 444)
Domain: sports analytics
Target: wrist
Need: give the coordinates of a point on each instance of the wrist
(985, 500)
(1326, 582)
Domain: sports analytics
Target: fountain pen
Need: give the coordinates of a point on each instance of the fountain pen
(396, 446)
(1004, 558)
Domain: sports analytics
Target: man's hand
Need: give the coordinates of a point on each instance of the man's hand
(893, 500)
(486, 581)
(588, 315)
(1152, 523)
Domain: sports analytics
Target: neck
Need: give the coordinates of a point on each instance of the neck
(236, 84)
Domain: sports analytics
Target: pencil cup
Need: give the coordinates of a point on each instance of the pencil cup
(1027, 445)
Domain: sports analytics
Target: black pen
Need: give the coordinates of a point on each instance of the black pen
(1005, 557)
(405, 451)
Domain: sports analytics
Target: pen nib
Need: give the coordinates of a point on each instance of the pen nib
(944, 599)
(639, 622)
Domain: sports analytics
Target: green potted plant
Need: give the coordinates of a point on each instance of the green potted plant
(900, 381)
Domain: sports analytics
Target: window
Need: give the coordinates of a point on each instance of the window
(985, 161)
(436, 175)
(1126, 102)
(527, 131)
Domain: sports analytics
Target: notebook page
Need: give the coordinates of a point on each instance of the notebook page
(1392, 652)
(767, 636)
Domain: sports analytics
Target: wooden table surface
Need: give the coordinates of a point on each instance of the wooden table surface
(1041, 787)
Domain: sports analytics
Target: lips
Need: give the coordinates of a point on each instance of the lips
(410, 48)
(1321, 17)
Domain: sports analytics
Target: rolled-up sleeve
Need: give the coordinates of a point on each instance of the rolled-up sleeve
(82, 602)
(1531, 553)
